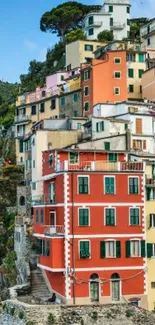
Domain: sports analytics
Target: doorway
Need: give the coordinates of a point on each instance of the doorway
(52, 222)
(94, 288)
(115, 287)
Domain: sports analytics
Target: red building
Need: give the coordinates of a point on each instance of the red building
(90, 225)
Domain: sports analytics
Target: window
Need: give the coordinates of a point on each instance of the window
(131, 88)
(107, 145)
(152, 220)
(91, 31)
(33, 163)
(110, 217)
(42, 107)
(75, 97)
(128, 10)
(134, 217)
(150, 194)
(152, 285)
(62, 101)
(51, 189)
(140, 72)
(128, 22)
(84, 249)
(117, 91)
(117, 75)
(100, 126)
(79, 126)
(111, 22)
(133, 185)
(137, 47)
(150, 250)
(86, 74)
(135, 248)
(139, 126)
(109, 185)
(83, 217)
(37, 216)
(75, 114)
(88, 47)
(130, 73)
(47, 251)
(117, 60)
(141, 57)
(131, 57)
(148, 42)
(110, 8)
(53, 104)
(61, 77)
(86, 106)
(22, 201)
(33, 186)
(21, 146)
(112, 249)
(91, 20)
(125, 126)
(86, 91)
(42, 216)
(112, 157)
(33, 110)
(50, 161)
(73, 157)
(140, 89)
(83, 185)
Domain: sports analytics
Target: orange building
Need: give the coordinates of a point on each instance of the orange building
(91, 229)
(104, 81)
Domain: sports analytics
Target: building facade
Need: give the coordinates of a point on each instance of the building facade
(86, 261)
(114, 16)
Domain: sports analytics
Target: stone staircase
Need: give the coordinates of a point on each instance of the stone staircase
(39, 288)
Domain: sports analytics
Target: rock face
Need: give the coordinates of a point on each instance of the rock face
(18, 313)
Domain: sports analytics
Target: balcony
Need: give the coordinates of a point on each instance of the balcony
(146, 31)
(22, 118)
(150, 181)
(94, 24)
(42, 199)
(54, 230)
(117, 26)
(100, 166)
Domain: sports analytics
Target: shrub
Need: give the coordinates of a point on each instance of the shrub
(94, 315)
(30, 323)
(12, 311)
(51, 319)
(129, 313)
(21, 315)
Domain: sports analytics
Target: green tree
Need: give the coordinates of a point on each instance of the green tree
(34, 77)
(105, 35)
(135, 25)
(65, 18)
(75, 35)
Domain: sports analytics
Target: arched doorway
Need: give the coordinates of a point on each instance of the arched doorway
(115, 287)
(22, 201)
(94, 287)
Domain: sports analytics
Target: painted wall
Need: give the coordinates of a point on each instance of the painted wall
(148, 84)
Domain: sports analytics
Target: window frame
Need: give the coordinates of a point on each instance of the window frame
(54, 101)
(42, 111)
(49, 161)
(110, 7)
(61, 101)
(87, 102)
(108, 241)
(116, 58)
(134, 208)
(86, 46)
(110, 208)
(78, 184)
(86, 74)
(84, 240)
(115, 91)
(110, 176)
(113, 153)
(132, 89)
(69, 158)
(42, 216)
(75, 101)
(137, 177)
(107, 143)
(84, 91)
(92, 31)
(37, 216)
(129, 72)
(83, 208)
(115, 72)
(151, 217)
(139, 242)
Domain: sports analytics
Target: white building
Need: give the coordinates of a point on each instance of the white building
(114, 16)
(142, 122)
(147, 33)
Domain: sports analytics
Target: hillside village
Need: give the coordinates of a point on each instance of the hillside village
(84, 177)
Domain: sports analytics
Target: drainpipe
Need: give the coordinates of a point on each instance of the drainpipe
(73, 246)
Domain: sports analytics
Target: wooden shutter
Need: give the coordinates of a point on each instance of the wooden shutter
(150, 220)
(97, 127)
(118, 249)
(107, 185)
(108, 221)
(112, 187)
(144, 144)
(134, 144)
(143, 248)
(149, 250)
(85, 183)
(138, 125)
(148, 192)
(102, 249)
(128, 250)
(112, 219)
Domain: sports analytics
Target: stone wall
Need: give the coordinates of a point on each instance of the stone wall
(24, 209)
(18, 313)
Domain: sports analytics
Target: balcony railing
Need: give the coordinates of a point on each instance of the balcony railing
(22, 118)
(117, 26)
(99, 166)
(42, 199)
(150, 181)
(52, 230)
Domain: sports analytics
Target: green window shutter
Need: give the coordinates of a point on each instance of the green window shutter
(148, 192)
(42, 216)
(118, 249)
(112, 217)
(128, 10)
(110, 8)
(88, 74)
(102, 125)
(97, 127)
(141, 57)
(37, 216)
(107, 185)
(128, 250)
(128, 22)
(102, 249)
(143, 248)
(44, 251)
(83, 217)
(47, 248)
(91, 20)
(85, 185)
(75, 97)
(113, 157)
(150, 220)
(149, 250)
(80, 179)
(140, 72)
(82, 75)
(130, 73)
(112, 189)
(134, 217)
(108, 221)
(84, 249)
(137, 217)
(111, 21)
(107, 145)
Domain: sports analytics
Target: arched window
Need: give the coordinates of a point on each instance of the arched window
(94, 287)
(115, 287)
(22, 201)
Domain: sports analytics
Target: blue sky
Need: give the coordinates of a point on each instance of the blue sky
(21, 38)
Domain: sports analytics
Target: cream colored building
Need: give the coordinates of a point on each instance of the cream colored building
(136, 65)
(80, 51)
(148, 84)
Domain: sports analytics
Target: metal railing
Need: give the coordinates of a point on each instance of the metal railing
(55, 229)
(42, 199)
(117, 26)
(99, 166)
(150, 180)
(21, 118)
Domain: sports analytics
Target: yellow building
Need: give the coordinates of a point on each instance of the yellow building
(150, 231)
(136, 65)
(80, 51)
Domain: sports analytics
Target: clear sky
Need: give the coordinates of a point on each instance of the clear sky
(21, 39)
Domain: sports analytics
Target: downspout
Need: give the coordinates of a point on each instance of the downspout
(73, 246)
